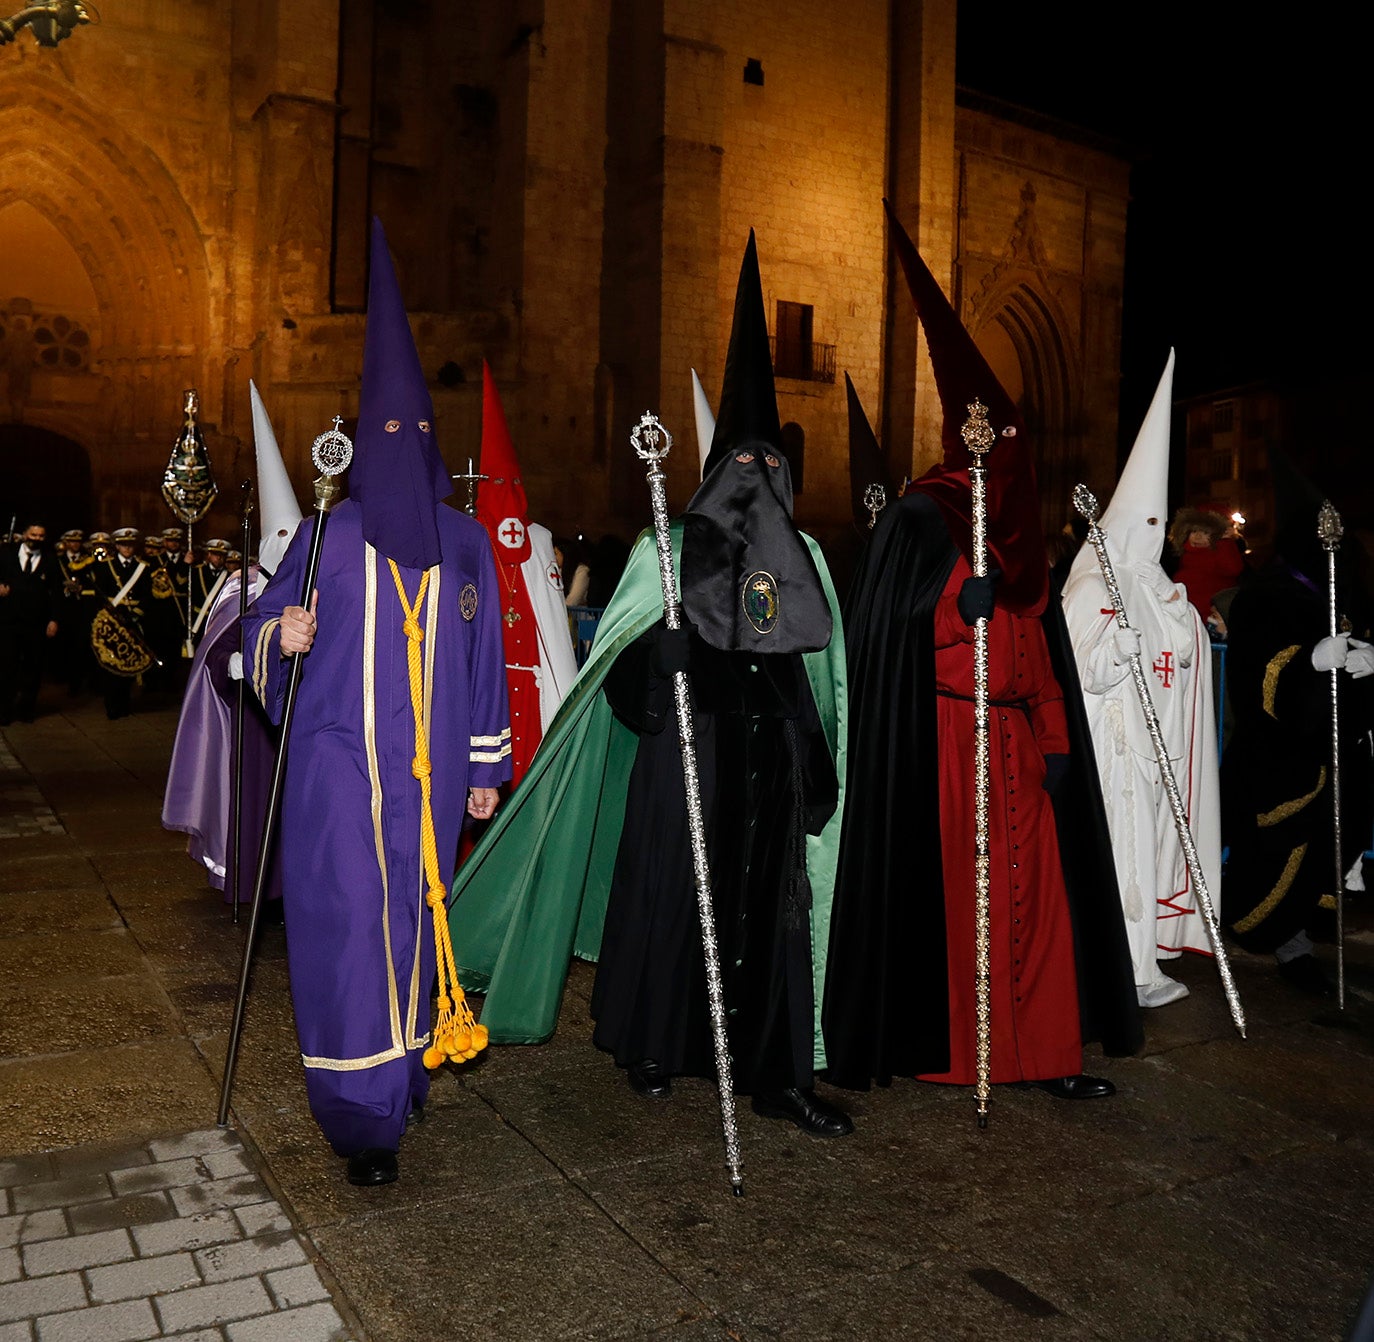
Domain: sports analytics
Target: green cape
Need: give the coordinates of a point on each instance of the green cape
(533, 893)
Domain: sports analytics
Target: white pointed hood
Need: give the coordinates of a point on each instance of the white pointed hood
(1142, 493)
(705, 422)
(279, 513)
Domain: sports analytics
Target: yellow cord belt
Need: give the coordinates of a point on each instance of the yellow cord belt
(456, 1034)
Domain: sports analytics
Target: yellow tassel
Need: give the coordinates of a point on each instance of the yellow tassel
(456, 1033)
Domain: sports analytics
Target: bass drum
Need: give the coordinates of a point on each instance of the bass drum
(118, 648)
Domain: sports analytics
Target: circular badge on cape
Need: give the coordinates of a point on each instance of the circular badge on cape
(511, 533)
(760, 597)
(467, 601)
(555, 578)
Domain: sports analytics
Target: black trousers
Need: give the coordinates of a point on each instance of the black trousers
(22, 650)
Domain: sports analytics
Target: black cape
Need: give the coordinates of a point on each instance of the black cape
(886, 1009)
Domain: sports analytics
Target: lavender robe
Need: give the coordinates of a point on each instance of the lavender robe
(200, 779)
(360, 940)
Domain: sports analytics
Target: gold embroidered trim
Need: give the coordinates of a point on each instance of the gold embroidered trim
(488, 756)
(1271, 901)
(358, 1064)
(1271, 677)
(1279, 813)
(490, 740)
(260, 652)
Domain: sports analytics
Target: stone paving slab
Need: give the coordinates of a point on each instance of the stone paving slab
(237, 1271)
(1223, 1193)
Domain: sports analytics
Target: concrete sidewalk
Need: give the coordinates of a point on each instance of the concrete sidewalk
(1224, 1193)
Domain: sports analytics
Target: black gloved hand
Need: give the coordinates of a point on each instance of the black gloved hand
(975, 599)
(1056, 767)
(671, 654)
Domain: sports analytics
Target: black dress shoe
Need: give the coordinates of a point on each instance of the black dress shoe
(649, 1078)
(372, 1167)
(1078, 1087)
(416, 1115)
(806, 1109)
(1306, 974)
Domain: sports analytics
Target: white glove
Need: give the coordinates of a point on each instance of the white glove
(1359, 660)
(235, 666)
(1126, 643)
(1330, 653)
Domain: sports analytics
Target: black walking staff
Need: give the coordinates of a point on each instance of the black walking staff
(236, 798)
(331, 453)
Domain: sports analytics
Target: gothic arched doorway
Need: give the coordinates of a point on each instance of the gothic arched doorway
(44, 477)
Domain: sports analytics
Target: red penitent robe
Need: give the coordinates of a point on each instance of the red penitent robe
(521, 638)
(1034, 1016)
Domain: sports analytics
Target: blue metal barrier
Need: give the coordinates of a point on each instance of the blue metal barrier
(582, 623)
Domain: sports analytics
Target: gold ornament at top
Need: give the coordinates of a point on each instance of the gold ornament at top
(188, 484)
(977, 433)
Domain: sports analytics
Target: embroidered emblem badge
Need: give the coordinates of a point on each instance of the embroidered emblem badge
(761, 602)
(555, 578)
(467, 601)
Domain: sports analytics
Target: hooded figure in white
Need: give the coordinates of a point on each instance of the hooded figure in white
(1162, 915)
(199, 779)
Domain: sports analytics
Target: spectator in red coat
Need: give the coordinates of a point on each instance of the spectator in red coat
(1210, 555)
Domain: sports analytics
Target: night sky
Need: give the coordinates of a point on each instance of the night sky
(1245, 188)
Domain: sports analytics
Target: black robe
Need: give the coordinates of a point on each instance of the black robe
(767, 780)
(1276, 794)
(886, 1009)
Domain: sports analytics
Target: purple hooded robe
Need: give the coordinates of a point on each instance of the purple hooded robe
(359, 936)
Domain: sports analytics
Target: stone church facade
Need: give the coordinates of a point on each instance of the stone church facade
(567, 186)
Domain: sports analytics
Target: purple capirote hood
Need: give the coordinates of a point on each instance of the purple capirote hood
(397, 478)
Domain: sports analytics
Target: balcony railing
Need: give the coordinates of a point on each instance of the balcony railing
(803, 362)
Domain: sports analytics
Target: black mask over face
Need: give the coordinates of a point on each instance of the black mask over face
(749, 583)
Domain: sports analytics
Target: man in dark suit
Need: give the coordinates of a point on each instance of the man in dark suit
(30, 596)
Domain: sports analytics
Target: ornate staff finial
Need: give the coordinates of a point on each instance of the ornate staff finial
(1329, 528)
(875, 500)
(1085, 504)
(332, 450)
(977, 433)
(650, 440)
(471, 478)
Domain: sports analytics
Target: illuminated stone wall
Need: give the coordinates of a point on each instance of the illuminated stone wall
(567, 186)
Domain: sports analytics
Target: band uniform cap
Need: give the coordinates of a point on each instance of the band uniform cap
(126, 534)
(218, 546)
(171, 533)
(72, 535)
(99, 537)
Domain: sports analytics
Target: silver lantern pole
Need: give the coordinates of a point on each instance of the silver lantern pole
(1330, 531)
(1086, 503)
(979, 437)
(652, 442)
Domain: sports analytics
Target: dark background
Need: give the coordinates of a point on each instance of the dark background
(1247, 204)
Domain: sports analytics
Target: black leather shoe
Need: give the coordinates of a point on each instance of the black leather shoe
(1078, 1087)
(806, 1109)
(1306, 975)
(648, 1078)
(374, 1166)
(416, 1115)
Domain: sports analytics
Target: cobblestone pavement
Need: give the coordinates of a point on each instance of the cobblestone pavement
(174, 1237)
(1224, 1193)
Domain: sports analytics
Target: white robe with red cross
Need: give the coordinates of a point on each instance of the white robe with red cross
(1157, 895)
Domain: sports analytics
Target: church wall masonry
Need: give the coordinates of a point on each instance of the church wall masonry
(568, 186)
